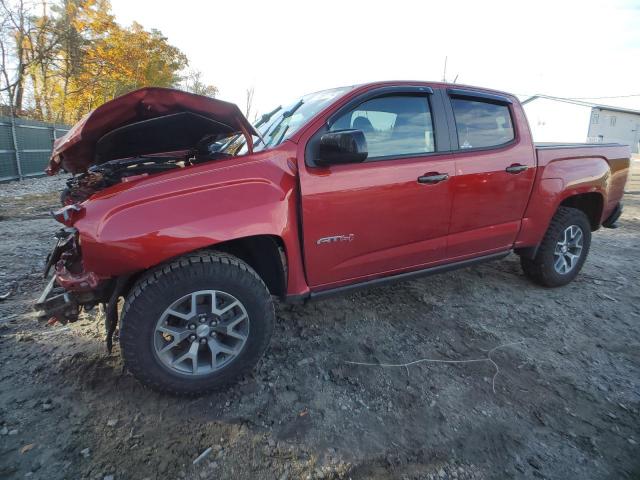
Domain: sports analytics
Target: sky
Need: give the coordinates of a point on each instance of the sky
(284, 49)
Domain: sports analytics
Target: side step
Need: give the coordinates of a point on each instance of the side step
(377, 282)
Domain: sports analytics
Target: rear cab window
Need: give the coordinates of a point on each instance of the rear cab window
(393, 125)
(481, 123)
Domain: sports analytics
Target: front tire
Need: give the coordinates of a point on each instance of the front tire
(563, 250)
(196, 324)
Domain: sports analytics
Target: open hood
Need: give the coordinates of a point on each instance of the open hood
(146, 121)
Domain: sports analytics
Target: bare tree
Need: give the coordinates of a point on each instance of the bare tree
(249, 104)
(192, 82)
(19, 35)
(9, 39)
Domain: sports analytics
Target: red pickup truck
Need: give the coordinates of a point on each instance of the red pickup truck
(198, 218)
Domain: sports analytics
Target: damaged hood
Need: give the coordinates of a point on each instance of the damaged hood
(146, 121)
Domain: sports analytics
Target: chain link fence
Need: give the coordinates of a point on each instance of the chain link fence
(25, 147)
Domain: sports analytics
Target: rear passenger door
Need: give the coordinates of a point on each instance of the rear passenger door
(495, 168)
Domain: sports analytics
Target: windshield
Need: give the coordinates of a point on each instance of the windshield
(279, 124)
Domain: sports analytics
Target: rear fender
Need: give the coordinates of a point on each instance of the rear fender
(560, 180)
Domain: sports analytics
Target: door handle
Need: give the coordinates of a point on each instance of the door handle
(431, 178)
(516, 168)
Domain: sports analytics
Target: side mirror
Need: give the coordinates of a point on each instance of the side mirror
(343, 146)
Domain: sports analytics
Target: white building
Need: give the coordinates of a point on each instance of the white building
(555, 119)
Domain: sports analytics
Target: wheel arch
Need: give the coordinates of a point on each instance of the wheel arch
(266, 254)
(590, 203)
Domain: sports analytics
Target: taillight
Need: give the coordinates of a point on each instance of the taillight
(68, 215)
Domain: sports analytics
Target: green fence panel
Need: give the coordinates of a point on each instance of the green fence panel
(8, 168)
(6, 143)
(34, 163)
(34, 140)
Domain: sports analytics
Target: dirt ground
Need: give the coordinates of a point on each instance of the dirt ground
(566, 402)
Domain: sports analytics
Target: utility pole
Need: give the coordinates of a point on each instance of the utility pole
(16, 146)
(444, 73)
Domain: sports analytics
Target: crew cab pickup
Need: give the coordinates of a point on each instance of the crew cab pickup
(199, 218)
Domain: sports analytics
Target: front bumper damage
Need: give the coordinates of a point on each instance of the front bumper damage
(59, 299)
(71, 289)
(64, 305)
(57, 302)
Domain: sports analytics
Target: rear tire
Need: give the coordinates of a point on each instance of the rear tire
(194, 325)
(563, 250)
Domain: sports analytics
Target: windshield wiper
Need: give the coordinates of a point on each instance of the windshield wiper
(292, 110)
(283, 133)
(286, 114)
(265, 118)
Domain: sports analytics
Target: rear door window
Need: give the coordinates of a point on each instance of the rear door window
(481, 124)
(395, 125)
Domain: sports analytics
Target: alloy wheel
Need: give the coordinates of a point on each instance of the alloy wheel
(568, 250)
(201, 332)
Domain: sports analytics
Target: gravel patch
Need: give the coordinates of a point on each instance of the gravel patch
(566, 401)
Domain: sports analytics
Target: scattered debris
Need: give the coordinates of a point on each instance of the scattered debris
(202, 456)
(27, 447)
(305, 361)
(608, 297)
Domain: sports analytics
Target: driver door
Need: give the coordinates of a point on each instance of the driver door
(389, 213)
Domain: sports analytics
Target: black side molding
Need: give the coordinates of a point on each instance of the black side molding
(377, 282)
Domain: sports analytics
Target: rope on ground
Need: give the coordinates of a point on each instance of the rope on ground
(437, 360)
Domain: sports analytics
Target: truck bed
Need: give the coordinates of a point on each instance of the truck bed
(553, 145)
(611, 152)
(585, 163)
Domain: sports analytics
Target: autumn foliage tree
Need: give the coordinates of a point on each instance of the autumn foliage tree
(63, 58)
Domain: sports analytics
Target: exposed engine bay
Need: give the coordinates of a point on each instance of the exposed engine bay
(149, 147)
(98, 177)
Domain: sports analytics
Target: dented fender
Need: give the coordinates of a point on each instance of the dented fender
(134, 226)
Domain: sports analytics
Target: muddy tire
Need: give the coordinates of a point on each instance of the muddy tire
(194, 325)
(563, 250)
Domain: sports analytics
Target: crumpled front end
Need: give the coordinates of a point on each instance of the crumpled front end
(70, 287)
